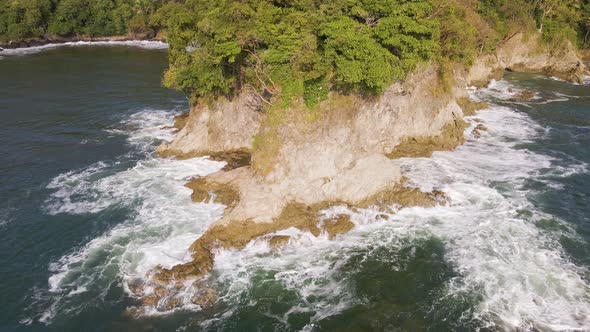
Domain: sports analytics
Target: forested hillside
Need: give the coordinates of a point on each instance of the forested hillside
(284, 50)
(287, 49)
(24, 19)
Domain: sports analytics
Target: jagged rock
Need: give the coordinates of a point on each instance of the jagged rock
(180, 120)
(278, 241)
(423, 146)
(203, 190)
(339, 225)
(478, 130)
(204, 297)
(523, 96)
(471, 107)
(169, 303)
(234, 158)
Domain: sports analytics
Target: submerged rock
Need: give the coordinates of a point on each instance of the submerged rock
(523, 96)
(204, 297)
(478, 130)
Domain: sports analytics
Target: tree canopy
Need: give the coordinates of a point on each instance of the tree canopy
(23, 19)
(285, 50)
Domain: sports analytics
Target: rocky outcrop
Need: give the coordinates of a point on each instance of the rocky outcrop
(526, 53)
(217, 128)
(450, 137)
(285, 166)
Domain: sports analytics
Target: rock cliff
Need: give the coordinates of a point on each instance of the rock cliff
(344, 152)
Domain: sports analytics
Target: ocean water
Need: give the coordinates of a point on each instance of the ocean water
(86, 208)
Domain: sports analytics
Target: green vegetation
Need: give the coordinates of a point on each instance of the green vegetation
(25, 19)
(286, 50)
(289, 50)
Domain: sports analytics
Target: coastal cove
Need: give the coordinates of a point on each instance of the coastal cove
(88, 209)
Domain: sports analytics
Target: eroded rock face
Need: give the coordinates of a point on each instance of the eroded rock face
(525, 53)
(423, 146)
(233, 158)
(180, 120)
(345, 156)
(471, 107)
(338, 159)
(205, 191)
(226, 125)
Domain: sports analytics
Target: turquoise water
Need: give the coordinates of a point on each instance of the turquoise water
(86, 208)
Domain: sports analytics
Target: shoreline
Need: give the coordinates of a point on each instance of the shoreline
(48, 42)
(361, 139)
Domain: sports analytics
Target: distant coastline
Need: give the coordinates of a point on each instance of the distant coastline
(40, 42)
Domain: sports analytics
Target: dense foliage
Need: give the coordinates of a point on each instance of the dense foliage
(288, 49)
(285, 50)
(22, 19)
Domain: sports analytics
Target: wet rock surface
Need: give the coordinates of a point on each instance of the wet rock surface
(339, 225)
(423, 146)
(205, 191)
(234, 159)
(478, 130)
(523, 96)
(471, 107)
(278, 241)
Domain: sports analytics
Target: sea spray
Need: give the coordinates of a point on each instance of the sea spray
(496, 268)
(516, 276)
(162, 226)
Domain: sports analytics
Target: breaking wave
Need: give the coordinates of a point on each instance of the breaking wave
(516, 275)
(130, 43)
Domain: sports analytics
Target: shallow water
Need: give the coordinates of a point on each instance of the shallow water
(85, 208)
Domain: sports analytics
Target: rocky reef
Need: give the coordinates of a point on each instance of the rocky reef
(285, 166)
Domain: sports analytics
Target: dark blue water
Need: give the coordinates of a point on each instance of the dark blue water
(58, 110)
(86, 206)
(564, 111)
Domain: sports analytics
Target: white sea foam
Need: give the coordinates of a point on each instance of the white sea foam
(130, 43)
(499, 90)
(521, 273)
(525, 278)
(163, 224)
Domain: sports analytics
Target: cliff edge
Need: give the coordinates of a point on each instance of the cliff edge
(295, 163)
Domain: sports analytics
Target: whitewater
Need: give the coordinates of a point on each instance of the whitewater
(513, 275)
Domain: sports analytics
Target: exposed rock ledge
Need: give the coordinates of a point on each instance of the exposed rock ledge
(346, 155)
(525, 53)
